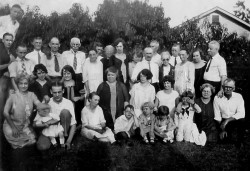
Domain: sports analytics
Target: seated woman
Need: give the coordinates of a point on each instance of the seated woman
(205, 120)
(41, 87)
(127, 126)
(17, 112)
(71, 91)
(93, 122)
(142, 92)
(113, 97)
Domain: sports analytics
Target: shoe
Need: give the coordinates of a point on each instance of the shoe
(146, 141)
(164, 141)
(171, 141)
(152, 141)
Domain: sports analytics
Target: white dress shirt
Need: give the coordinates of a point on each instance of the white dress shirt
(154, 68)
(50, 65)
(157, 59)
(122, 124)
(226, 108)
(33, 56)
(56, 108)
(172, 60)
(68, 59)
(7, 25)
(217, 69)
(15, 67)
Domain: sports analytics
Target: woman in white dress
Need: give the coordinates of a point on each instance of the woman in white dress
(92, 72)
(143, 91)
(93, 122)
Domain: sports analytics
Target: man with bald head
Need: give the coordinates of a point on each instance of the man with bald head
(216, 70)
(54, 61)
(110, 60)
(147, 63)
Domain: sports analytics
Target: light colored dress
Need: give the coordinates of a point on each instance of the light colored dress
(21, 107)
(52, 130)
(93, 73)
(168, 100)
(94, 119)
(140, 94)
(184, 77)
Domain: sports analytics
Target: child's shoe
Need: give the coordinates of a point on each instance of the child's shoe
(171, 141)
(165, 140)
(146, 140)
(152, 141)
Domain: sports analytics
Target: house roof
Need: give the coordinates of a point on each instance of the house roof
(225, 14)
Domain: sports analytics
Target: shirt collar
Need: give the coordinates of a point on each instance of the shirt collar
(72, 51)
(19, 59)
(37, 51)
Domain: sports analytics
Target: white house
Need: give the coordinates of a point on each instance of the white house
(220, 16)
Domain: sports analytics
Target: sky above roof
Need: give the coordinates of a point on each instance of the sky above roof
(177, 10)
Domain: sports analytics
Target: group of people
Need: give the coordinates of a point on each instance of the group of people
(113, 96)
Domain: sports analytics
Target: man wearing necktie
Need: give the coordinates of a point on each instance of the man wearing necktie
(216, 69)
(175, 58)
(147, 63)
(54, 63)
(37, 56)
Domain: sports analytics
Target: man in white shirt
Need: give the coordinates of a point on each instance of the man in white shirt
(54, 61)
(156, 57)
(76, 59)
(37, 56)
(64, 108)
(9, 23)
(175, 58)
(229, 112)
(147, 63)
(216, 70)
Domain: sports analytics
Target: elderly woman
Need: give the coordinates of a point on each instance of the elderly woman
(17, 111)
(93, 122)
(143, 91)
(113, 97)
(92, 72)
(205, 120)
(200, 66)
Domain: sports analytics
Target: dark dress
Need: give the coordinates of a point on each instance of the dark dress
(205, 120)
(198, 80)
(122, 96)
(39, 90)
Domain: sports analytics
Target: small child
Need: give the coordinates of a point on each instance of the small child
(127, 125)
(51, 123)
(184, 116)
(146, 121)
(164, 125)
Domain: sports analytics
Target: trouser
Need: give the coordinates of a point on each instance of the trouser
(238, 125)
(43, 142)
(184, 130)
(123, 136)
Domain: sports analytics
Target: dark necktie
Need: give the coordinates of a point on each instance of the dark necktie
(74, 62)
(23, 66)
(209, 65)
(57, 68)
(175, 61)
(39, 58)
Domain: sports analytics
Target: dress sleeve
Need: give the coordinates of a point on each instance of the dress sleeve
(101, 116)
(84, 117)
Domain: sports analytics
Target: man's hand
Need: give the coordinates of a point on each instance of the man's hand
(224, 124)
(67, 145)
(15, 132)
(220, 94)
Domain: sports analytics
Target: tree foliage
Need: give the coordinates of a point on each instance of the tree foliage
(242, 11)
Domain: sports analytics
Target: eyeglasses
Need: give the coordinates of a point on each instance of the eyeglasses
(228, 87)
(165, 59)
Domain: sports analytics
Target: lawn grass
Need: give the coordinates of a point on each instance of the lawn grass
(89, 155)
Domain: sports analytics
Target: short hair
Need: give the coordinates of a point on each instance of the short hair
(119, 40)
(55, 38)
(187, 94)
(7, 34)
(56, 84)
(39, 67)
(21, 45)
(145, 72)
(21, 77)
(168, 78)
(198, 50)
(203, 86)
(214, 42)
(99, 44)
(155, 42)
(147, 48)
(111, 69)
(91, 95)
(93, 49)
(69, 69)
(109, 46)
(163, 111)
(177, 45)
(75, 39)
(129, 106)
(148, 104)
(138, 52)
(184, 49)
(228, 80)
(165, 52)
(37, 38)
(16, 6)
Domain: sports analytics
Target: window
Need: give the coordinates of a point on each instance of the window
(215, 19)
